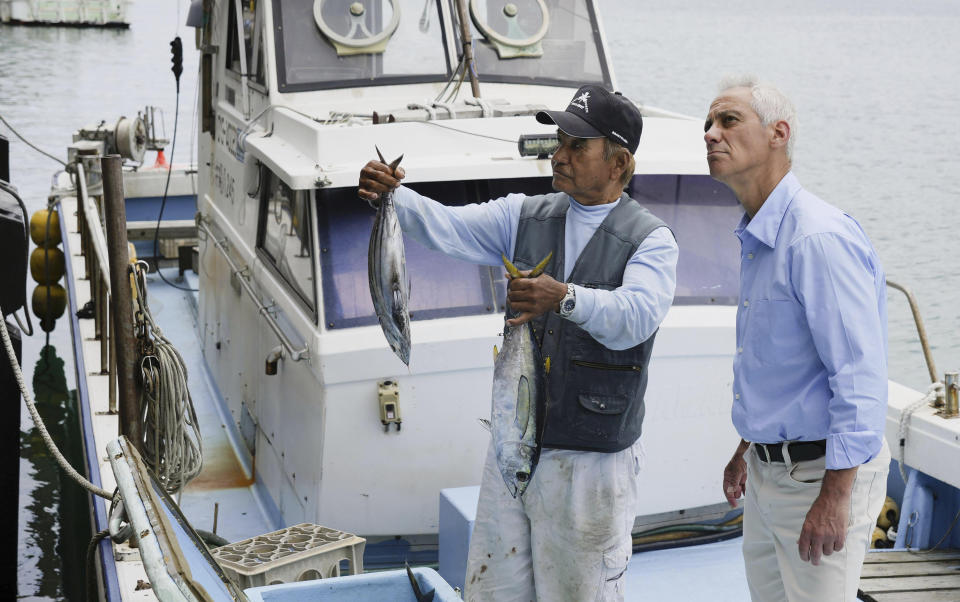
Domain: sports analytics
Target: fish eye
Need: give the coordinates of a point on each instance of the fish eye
(523, 476)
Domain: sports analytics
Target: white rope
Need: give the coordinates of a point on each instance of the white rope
(905, 416)
(171, 433)
(73, 474)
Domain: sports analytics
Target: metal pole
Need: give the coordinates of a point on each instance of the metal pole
(82, 231)
(112, 377)
(951, 389)
(921, 331)
(121, 298)
(98, 301)
(106, 329)
(467, 47)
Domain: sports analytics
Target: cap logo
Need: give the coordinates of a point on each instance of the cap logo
(581, 102)
(619, 136)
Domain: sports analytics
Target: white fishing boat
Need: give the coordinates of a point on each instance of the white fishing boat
(78, 13)
(306, 415)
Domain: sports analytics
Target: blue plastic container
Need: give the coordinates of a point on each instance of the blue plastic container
(373, 587)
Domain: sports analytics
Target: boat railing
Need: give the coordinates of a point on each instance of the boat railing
(93, 248)
(921, 330)
(242, 276)
(101, 221)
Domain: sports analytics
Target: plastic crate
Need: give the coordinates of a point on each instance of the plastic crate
(298, 553)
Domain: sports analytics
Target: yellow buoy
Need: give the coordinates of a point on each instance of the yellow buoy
(879, 538)
(889, 514)
(48, 303)
(41, 235)
(47, 265)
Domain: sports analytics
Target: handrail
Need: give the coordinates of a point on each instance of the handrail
(294, 354)
(94, 225)
(921, 331)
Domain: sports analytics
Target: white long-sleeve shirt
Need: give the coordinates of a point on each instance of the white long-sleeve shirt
(480, 233)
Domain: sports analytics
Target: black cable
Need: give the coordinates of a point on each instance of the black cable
(28, 143)
(176, 48)
(949, 529)
(92, 593)
(447, 127)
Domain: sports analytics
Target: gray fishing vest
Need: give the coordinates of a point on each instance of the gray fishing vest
(594, 398)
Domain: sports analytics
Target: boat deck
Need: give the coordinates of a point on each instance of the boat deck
(923, 576)
(715, 572)
(706, 572)
(227, 476)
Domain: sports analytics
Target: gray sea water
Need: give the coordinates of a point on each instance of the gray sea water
(876, 83)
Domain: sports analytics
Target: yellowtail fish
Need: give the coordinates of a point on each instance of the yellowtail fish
(519, 393)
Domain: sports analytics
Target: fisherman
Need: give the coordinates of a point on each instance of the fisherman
(594, 311)
(810, 371)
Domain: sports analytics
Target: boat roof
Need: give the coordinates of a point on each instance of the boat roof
(305, 153)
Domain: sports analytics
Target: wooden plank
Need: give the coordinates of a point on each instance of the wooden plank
(897, 569)
(910, 584)
(932, 596)
(880, 557)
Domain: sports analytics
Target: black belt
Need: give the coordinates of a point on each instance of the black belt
(799, 451)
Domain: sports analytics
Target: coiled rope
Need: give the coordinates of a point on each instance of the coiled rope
(172, 444)
(932, 391)
(73, 474)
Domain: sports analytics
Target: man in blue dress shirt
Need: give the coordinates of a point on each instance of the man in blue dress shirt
(810, 372)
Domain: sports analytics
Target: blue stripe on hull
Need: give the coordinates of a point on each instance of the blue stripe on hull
(107, 564)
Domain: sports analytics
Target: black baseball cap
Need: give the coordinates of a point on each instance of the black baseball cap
(596, 112)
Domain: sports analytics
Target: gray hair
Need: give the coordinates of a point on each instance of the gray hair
(611, 148)
(769, 103)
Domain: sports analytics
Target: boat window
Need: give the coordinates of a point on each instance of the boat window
(702, 214)
(440, 286)
(252, 46)
(284, 235)
(329, 43)
(537, 41)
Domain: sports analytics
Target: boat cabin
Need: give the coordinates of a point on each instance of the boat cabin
(295, 96)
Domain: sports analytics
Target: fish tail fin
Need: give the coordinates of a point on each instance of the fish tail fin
(395, 163)
(511, 269)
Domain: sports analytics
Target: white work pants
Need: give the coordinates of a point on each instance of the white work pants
(779, 495)
(566, 539)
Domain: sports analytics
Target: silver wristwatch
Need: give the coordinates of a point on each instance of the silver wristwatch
(568, 302)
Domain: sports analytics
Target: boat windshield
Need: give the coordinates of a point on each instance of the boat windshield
(537, 42)
(336, 43)
(701, 212)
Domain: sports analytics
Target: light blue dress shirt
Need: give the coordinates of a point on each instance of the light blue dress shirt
(811, 359)
(481, 232)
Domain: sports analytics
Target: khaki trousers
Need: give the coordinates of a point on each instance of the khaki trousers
(778, 496)
(566, 539)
